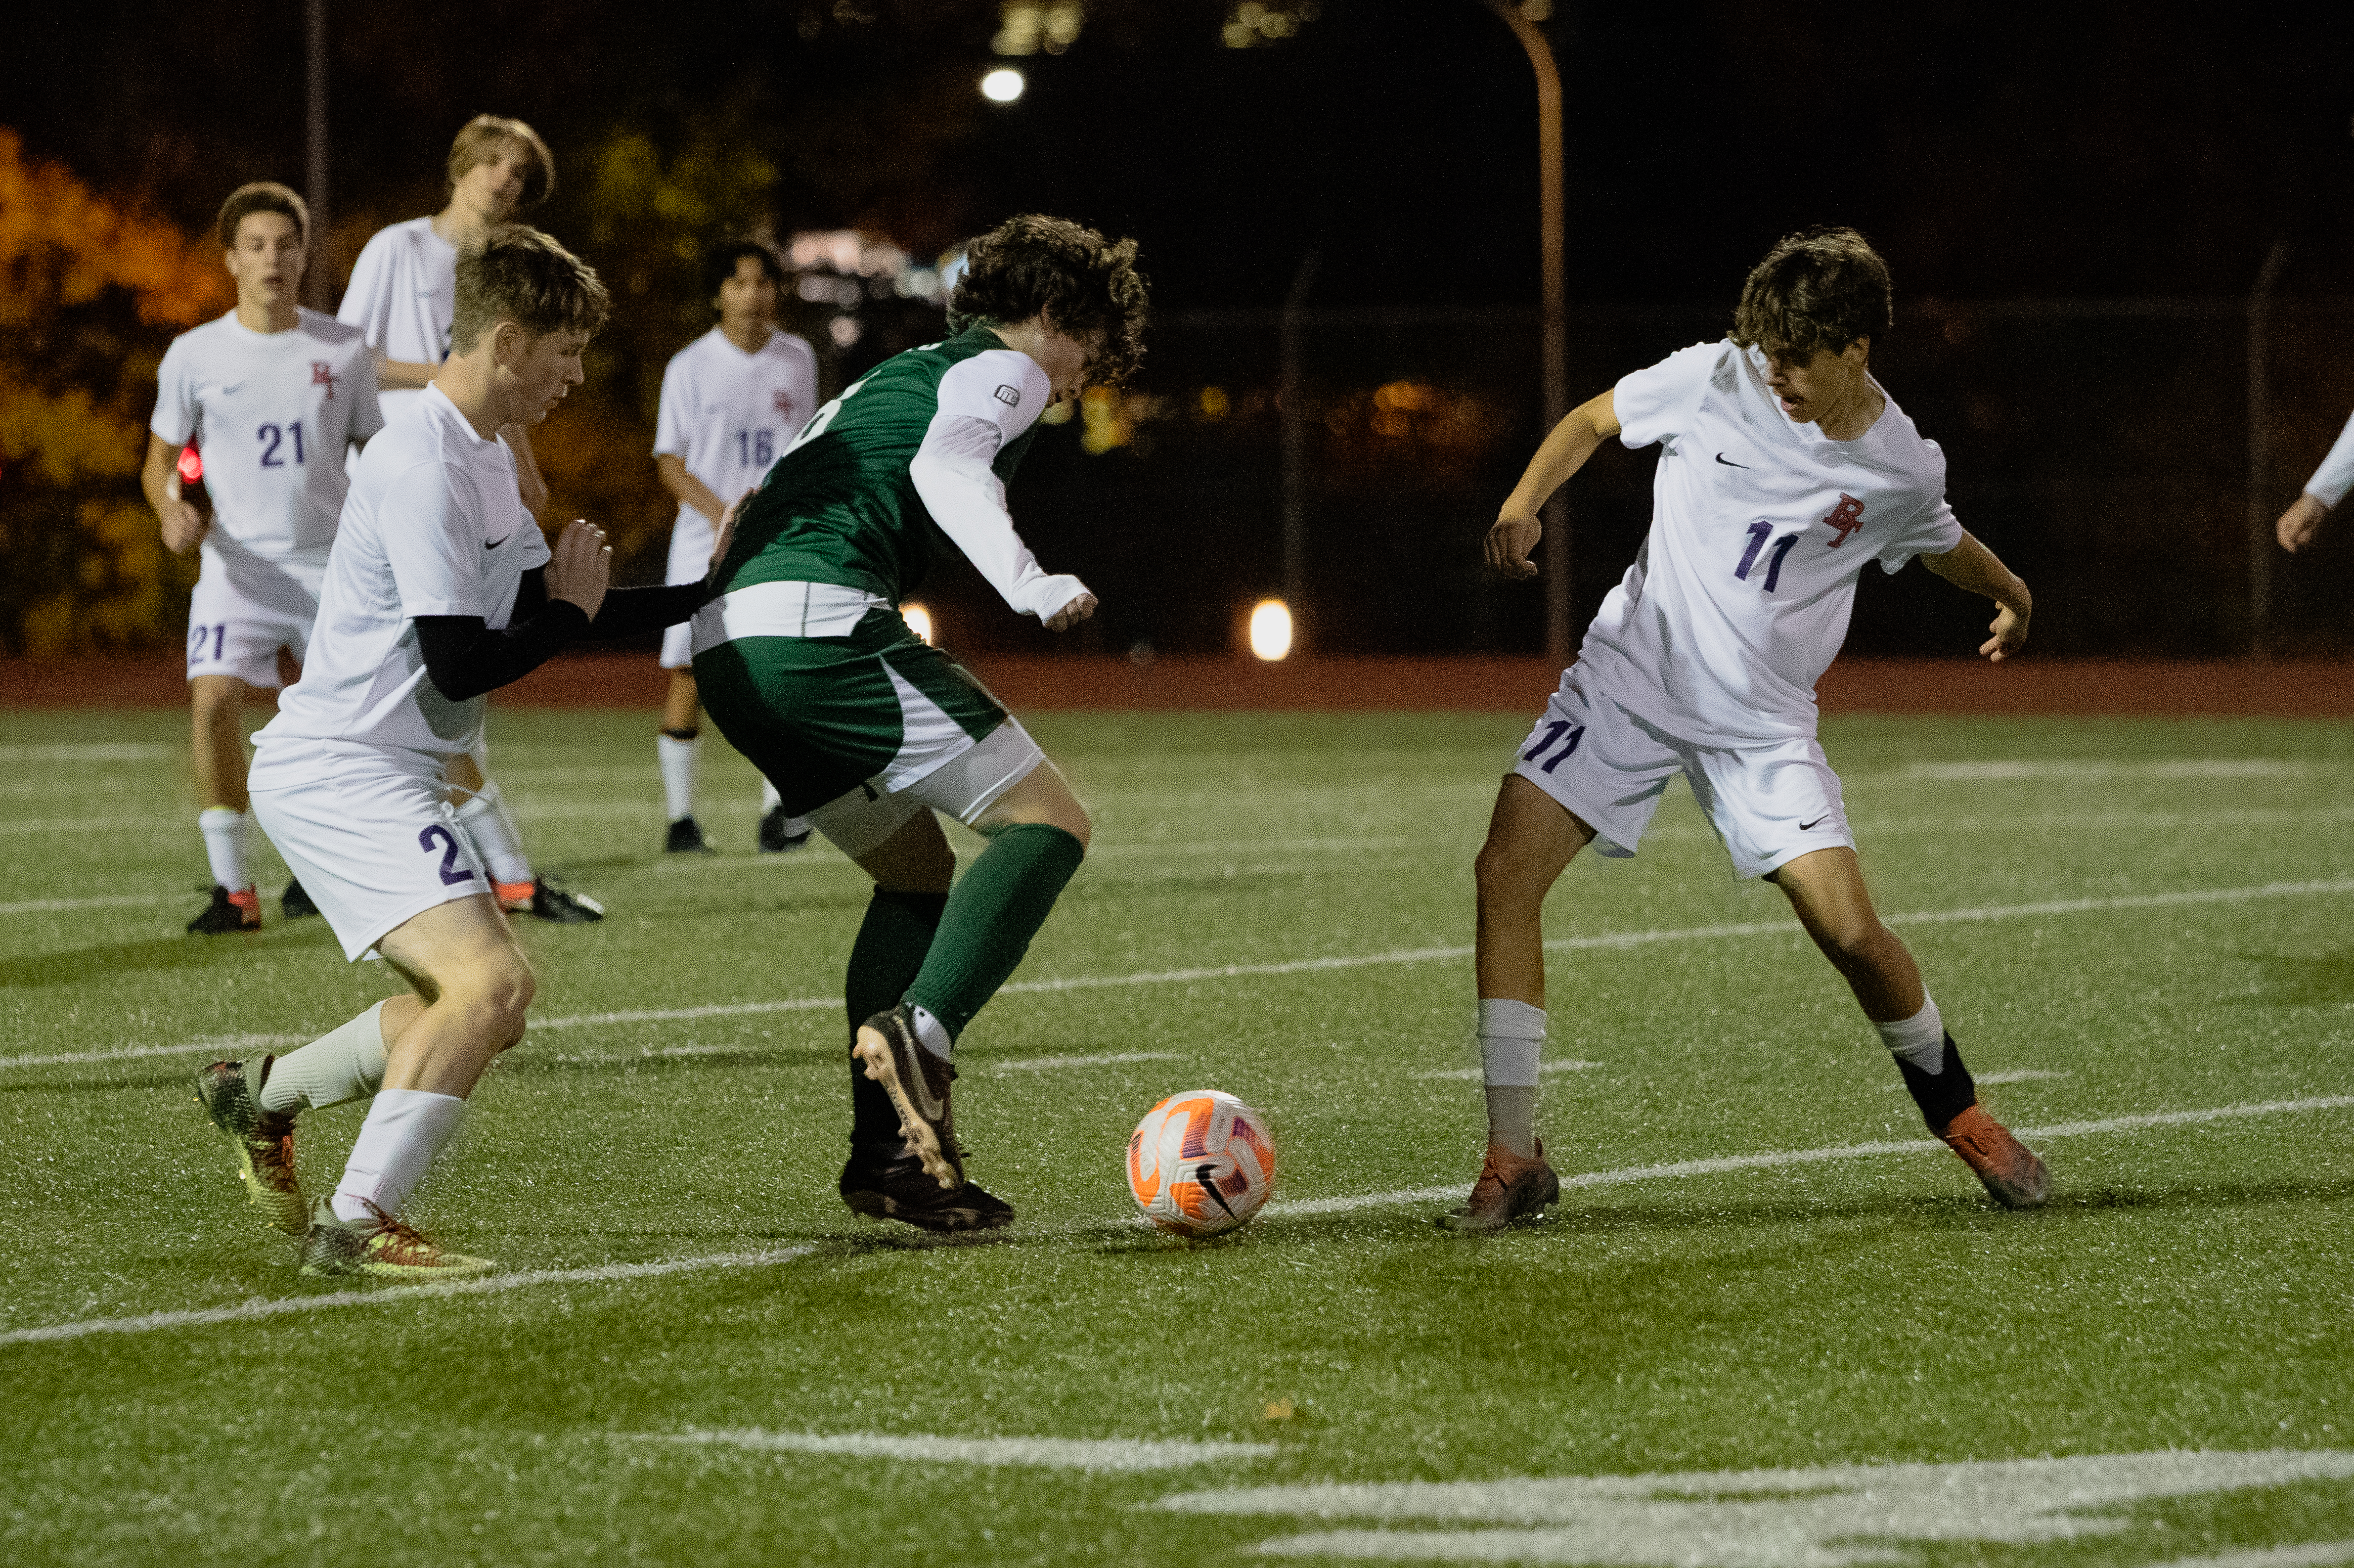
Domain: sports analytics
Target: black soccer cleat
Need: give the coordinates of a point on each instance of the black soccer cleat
(901, 1189)
(781, 835)
(295, 904)
(887, 1051)
(228, 912)
(686, 837)
(550, 901)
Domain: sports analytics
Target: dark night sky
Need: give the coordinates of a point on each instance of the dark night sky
(1993, 150)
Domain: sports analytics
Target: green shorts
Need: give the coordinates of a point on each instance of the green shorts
(870, 714)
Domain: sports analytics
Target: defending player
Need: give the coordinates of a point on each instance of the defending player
(440, 589)
(1784, 470)
(808, 669)
(403, 295)
(2326, 489)
(272, 395)
(730, 401)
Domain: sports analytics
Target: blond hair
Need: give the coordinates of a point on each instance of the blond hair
(482, 140)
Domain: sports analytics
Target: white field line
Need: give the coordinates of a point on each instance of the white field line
(248, 1311)
(2015, 1076)
(1606, 942)
(1048, 1064)
(395, 1295)
(106, 751)
(1723, 1163)
(110, 901)
(1100, 1456)
(2305, 1554)
(1547, 1069)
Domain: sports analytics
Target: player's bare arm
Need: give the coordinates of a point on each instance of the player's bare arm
(183, 524)
(688, 489)
(1971, 567)
(2300, 522)
(1518, 528)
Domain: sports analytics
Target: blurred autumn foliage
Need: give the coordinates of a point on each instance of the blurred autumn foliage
(92, 291)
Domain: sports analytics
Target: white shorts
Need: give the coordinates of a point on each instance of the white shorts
(691, 538)
(244, 609)
(366, 831)
(965, 785)
(1770, 803)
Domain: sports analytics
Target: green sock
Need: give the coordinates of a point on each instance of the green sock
(892, 942)
(996, 908)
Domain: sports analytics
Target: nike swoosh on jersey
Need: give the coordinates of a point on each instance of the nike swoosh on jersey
(1729, 463)
(1809, 827)
(494, 544)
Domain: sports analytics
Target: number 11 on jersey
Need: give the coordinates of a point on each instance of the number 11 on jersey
(1758, 534)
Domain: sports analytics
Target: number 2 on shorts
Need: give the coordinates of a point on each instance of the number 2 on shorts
(452, 872)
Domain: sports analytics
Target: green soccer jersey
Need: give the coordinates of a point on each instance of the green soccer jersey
(921, 446)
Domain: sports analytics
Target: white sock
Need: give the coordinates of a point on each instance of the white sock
(1511, 1038)
(344, 1064)
(678, 761)
(225, 831)
(492, 833)
(933, 1036)
(404, 1131)
(770, 798)
(1920, 1039)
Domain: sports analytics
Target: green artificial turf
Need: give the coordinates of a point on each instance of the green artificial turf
(2187, 1288)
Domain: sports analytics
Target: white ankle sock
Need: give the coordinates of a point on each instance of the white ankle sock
(770, 798)
(933, 1036)
(678, 761)
(404, 1130)
(1511, 1039)
(493, 832)
(225, 833)
(344, 1064)
(1920, 1039)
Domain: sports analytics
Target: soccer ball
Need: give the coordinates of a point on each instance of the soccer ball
(1200, 1162)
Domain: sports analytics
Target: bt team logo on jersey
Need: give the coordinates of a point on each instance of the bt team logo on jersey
(323, 375)
(783, 400)
(1845, 517)
(1009, 397)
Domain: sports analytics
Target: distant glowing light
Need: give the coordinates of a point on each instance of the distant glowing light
(1270, 629)
(191, 466)
(918, 620)
(1002, 85)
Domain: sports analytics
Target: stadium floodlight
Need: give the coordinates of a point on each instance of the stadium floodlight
(918, 620)
(1002, 85)
(1270, 629)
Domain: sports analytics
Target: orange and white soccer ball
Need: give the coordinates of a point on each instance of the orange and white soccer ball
(1201, 1162)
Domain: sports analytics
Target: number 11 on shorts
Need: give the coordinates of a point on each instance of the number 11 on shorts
(1554, 733)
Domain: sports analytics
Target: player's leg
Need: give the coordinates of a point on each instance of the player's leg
(1587, 774)
(217, 712)
(679, 746)
(1827, 891)
(490, 828)
(782, 833)
(473, 985)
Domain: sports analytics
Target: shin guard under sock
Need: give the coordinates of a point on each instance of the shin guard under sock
(884, 962)
(996, 907)
(1942, 1095)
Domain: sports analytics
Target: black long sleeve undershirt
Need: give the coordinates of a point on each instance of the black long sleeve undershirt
(466, 659)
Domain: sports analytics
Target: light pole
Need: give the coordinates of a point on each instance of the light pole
(314, 275)
(1556, 328)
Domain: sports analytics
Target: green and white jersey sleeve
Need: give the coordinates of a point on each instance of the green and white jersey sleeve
(986, 403)
(919, 450)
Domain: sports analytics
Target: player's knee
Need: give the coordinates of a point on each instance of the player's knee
(1503, 878)
(1853, 939)
(1078, 824)
(498, 992)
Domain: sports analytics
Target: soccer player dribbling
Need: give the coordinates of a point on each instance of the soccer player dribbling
(807, 667)
(730, 401)
(440, 589)
(272, 395)
(403, 295)
(1785, 470)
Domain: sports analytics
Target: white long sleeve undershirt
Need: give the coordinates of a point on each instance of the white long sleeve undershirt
(2331, 481)
(984, 402)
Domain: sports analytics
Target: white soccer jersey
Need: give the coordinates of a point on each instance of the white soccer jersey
(727, 414)
(1740, 598)
(432, 526)
(2331, 481)
(403, 296)
(272, 414)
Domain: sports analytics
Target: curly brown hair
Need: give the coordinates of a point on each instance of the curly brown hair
(1030, 265)
(1820, 288)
